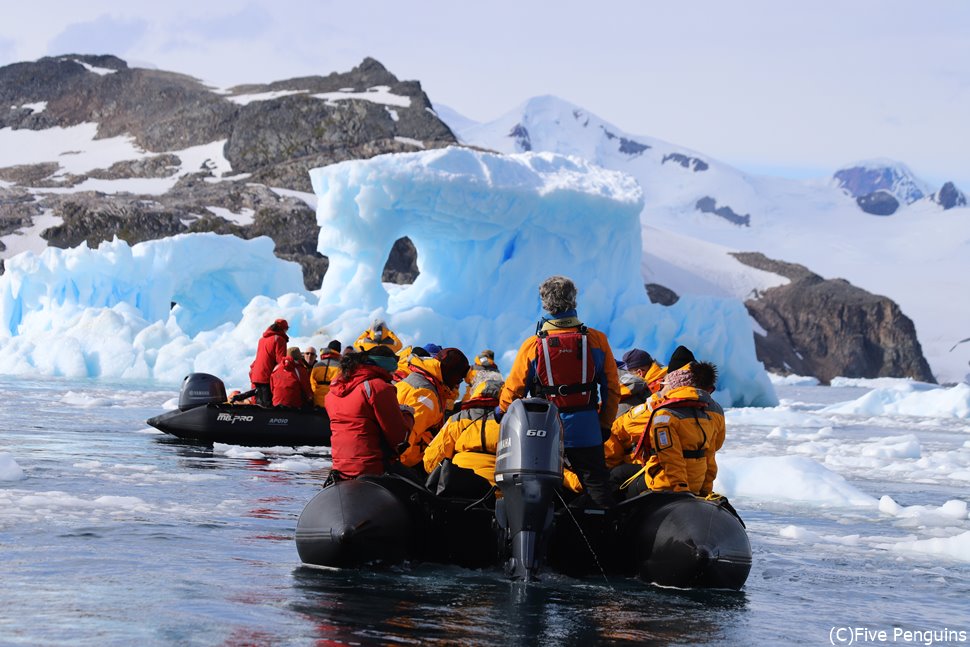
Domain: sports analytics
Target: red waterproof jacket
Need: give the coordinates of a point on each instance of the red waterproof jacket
(366, 424)
(269, 352)
(290, 384)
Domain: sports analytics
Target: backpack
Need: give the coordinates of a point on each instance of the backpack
(565, 370)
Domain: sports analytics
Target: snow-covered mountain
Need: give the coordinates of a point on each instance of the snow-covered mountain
(698, 210)
(867, 177)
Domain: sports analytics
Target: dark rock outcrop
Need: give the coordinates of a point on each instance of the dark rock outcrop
(949, 196)
(131, 222)
(627, 146)
(709, 205)
(830, 328)
(276, 141)
(521, 136)
(878, 203)
(402, 263)
(661, 295)
(693, 163)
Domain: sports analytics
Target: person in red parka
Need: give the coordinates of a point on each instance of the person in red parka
(367, 425)
(290, 381)
(269, 352)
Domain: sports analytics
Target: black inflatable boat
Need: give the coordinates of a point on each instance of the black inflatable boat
(204, 416)
(671, 539)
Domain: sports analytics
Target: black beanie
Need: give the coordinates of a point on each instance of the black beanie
(454, 366)
(680, 358)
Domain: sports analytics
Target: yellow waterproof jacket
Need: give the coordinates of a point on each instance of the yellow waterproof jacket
(469, 438)
(654, 376)
(684, 438)
(322, 373)
(625, 434)
(404, 359)
(423, 391)
(388, 338)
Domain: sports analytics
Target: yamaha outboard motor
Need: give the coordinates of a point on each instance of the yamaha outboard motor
(199, 389)
(528, 471)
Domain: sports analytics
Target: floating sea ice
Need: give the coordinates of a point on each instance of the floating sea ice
(9, 470)
(299, 465)
(926, 515)
(910, 399)
(786, 479)
(84, 401)
(956, 547)
(893, 447)
(793, 380)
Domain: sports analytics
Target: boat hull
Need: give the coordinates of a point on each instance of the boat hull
(669, 539)
(246, 425)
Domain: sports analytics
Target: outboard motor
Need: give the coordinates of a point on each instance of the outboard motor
(528, 471)
(199, 389)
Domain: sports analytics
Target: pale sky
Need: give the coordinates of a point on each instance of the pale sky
(791, 88)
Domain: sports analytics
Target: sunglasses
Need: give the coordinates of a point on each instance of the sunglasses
(309, 354)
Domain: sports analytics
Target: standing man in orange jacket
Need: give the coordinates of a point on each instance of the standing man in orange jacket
(573, 367)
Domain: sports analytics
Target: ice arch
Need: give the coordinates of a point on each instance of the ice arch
(488, 229)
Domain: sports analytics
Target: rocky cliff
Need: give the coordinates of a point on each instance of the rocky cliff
(271, 136)
(829, 328)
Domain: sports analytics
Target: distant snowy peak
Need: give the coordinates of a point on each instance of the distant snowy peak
(866, 178)
(548, 123)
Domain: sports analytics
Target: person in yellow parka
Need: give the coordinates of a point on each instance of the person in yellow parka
(404, 361)
(470, 437)
(483, 369)
(686, 429)
(379, 333)
(323, 371)
(427, 390)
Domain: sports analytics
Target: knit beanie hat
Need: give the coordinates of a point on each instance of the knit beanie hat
(680, 358)
(636, 358)
(454, 366)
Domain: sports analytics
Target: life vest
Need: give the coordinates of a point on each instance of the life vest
(565, 370)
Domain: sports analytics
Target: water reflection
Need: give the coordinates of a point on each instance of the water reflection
(445, 605)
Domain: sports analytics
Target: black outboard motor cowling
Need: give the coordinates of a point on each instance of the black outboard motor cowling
(528, 471)
(199, 389)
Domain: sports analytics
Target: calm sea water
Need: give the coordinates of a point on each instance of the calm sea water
(120, 536)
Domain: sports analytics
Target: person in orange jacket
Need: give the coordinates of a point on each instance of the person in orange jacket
(427, 390)
(573, 367)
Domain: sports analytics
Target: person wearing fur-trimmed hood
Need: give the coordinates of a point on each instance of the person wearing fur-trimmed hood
(378, 333)
(685, 430)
